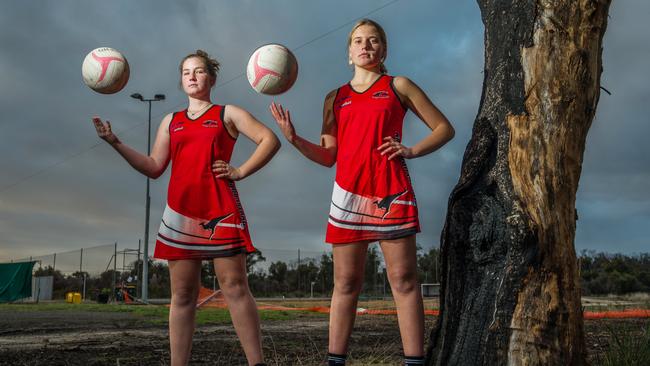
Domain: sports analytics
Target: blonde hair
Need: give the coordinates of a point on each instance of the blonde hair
(211, 64)
(382, 39)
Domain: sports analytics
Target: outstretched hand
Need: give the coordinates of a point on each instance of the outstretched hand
(396, 148)
(283, 118)
(225, 170)
(104, 130)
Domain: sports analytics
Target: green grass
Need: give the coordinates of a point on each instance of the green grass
(629, 345)
(156, 314)
(60, 306)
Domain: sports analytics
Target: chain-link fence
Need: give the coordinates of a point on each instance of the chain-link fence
(107, 272)
(92, 271)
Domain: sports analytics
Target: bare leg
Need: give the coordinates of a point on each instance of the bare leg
(233, 281)
(401, 265)
(185, 276)
(349, 264)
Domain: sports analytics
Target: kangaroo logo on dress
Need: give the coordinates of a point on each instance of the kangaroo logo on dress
(210, 123)
(212, 224)
(382, 94)
(386, 203)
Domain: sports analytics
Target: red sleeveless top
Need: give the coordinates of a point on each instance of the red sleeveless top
(372, 198)
(203, 218)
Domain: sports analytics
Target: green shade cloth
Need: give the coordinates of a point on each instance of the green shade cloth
(15, 281)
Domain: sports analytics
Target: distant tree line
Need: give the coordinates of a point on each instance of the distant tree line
(294, 278)
(601, 274)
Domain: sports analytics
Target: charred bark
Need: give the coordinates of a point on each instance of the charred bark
(510, 290)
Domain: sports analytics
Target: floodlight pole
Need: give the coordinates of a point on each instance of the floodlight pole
(145, 259)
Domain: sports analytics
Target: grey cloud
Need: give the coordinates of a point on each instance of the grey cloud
(96, 198)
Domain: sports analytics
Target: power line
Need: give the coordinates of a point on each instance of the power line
(319, 37)
(43, 170)
(158, 116)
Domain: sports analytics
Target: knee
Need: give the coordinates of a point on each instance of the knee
(403, 280)
(348, 284)
(234, 287)
(184, 296)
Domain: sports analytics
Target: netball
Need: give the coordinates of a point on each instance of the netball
(272, 69)
(105, 70)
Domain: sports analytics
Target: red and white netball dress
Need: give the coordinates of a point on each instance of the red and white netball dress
(373, 198)
(203, 218)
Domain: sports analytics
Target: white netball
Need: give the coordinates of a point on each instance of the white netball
(272, 69)
(105, 70)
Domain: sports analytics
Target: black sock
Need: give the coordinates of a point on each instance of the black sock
(335, 360)
(413, 360)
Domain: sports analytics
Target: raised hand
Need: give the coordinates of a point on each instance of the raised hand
(225, 170)
(395, 147)
(104, 131)
(283, 118)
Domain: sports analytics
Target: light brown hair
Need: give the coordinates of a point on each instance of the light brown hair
(211, 64)
(382, 39)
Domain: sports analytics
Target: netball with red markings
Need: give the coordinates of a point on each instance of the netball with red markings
(272, 69)
(105, 70)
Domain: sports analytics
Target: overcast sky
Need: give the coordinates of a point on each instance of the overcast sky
(61, 189)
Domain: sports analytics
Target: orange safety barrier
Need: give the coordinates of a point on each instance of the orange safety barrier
(127, 298)
(209, 298)
(622, 314)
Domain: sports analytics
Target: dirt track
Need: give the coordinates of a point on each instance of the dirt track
(99, 338)
(88, 338)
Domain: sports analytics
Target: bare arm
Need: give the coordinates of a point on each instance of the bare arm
(267, 143)
(417, 101)
(153, 165)
(323, 154)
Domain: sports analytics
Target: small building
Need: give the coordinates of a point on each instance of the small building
(42, 287)
(430, 289)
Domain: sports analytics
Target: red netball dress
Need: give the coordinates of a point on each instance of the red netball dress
(373, 198)
(203, 218)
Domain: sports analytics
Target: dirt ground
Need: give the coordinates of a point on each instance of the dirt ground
(102, 338)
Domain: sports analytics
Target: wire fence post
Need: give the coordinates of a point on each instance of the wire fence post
(81, 261)
(383, 271)
(114, 272)
(138, 270)
(435, 264)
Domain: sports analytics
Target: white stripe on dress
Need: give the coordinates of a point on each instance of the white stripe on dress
(348, 206)
(365, 227)
(207, 248)
(183, 228)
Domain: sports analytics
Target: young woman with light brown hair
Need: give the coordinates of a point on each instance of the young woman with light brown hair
(373, 199)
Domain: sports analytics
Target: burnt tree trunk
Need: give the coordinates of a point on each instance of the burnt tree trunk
(510, 285)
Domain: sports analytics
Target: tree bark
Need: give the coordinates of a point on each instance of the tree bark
(510, 286)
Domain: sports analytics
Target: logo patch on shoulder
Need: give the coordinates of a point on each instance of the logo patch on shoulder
(343, 101)
(382, 94)
(210, 123)
(176, 126)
